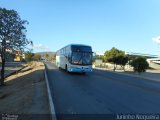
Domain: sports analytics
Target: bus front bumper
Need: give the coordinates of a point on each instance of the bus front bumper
(82, 69)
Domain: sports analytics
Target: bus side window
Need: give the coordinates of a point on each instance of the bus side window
(69, 57)
(64, 51)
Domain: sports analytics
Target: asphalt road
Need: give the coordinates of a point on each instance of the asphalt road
(102, 92)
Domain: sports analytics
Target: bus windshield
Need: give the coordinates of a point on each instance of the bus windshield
(81, 48)
(82, 58)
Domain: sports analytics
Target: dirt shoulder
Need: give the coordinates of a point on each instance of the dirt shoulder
(25, 94)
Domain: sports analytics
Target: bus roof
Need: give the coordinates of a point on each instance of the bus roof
(75, 45)
(78, 45)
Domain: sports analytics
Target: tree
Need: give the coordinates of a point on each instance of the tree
(36, 57)
(28, 56)
(115, 56)
(122, 61)
(100, 57)
(139, 64)
(46, 56)
(12, 34)
(52, 58)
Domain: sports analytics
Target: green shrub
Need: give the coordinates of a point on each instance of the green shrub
(139, 64)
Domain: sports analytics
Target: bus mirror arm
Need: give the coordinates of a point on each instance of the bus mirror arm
(94, 54)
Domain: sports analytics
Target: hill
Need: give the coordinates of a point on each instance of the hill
(44, 53)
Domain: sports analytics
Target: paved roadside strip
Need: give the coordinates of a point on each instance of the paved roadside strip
(51, 104)
(13, 71)
(151, 77)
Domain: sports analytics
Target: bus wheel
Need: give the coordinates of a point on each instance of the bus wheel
(83, 73)
(66, 68)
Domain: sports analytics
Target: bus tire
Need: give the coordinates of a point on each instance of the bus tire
(66, 68)
(83, 73)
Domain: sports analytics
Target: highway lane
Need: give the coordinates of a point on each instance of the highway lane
(102, 92)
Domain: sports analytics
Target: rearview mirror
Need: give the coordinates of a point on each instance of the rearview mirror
(93, 54)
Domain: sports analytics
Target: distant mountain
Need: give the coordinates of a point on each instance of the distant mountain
(44, 53)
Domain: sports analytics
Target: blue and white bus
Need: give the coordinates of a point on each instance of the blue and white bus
(75, 58)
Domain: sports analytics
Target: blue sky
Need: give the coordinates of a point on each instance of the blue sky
(129, 25)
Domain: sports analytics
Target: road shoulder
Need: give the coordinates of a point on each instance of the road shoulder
(149, 75)
(25, 94)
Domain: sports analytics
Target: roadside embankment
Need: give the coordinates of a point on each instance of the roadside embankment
(25, 94)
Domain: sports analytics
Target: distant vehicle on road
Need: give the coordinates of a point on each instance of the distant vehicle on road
(43, 59)
(75, 58)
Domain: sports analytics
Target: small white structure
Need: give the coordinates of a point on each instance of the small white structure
(98, 61)
(154, 63)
